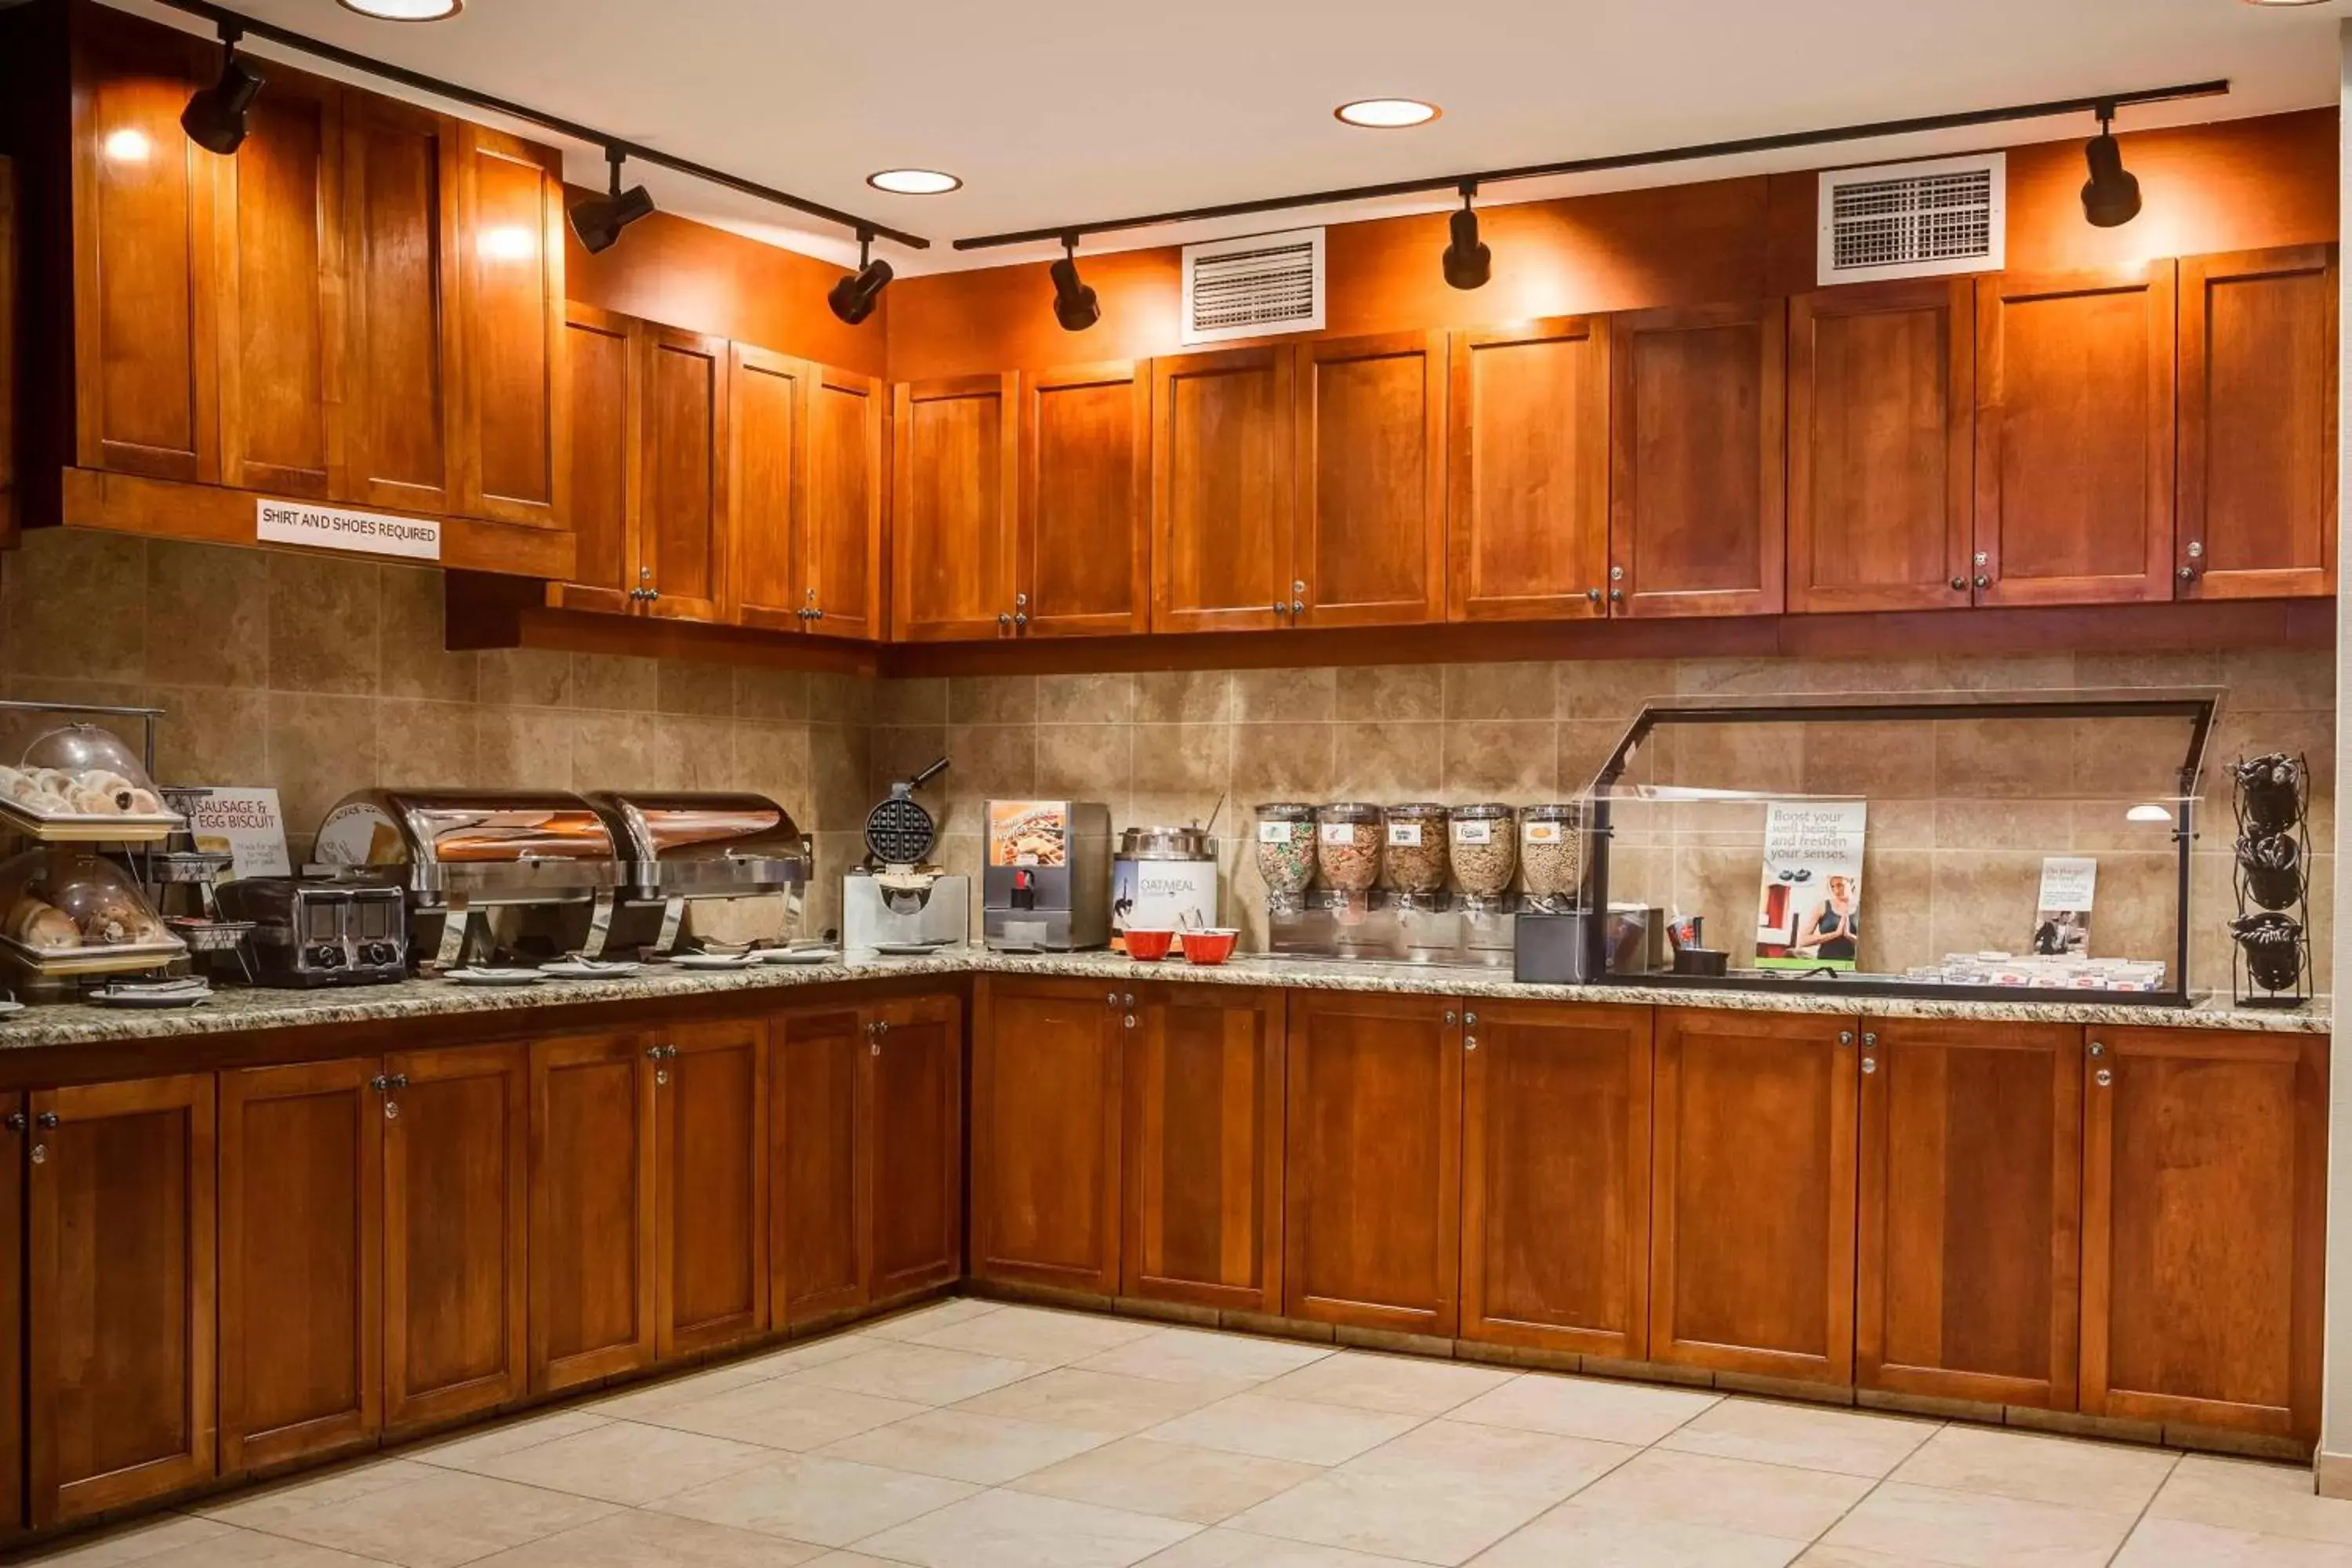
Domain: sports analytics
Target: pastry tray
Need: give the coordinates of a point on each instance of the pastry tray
(148, 827)
(98, 960)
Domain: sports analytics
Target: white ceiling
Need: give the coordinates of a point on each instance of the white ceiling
(1056, 112)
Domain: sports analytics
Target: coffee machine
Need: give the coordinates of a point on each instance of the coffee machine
(1046, 887)
(899, 902)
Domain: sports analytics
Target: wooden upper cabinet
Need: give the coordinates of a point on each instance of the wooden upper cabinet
(1556, 1230)
(1528, 524)
(301, 1262)
(1970, 1249)
(2257, 428)
(592, 1209)
(1203, 1080)
(601, 351)
(146, 371)
(839, 547)
(456, 1163)
(683, 447)
(1752, 1193)
(280, 306)
(400, 289)
(1373, 1180)
(1882, 426)
(1045, 1133)
(951, 520)
(912, 1145)
(816, 1199)
(510, 278)
(120, 1294)
(2204, 1229)
(712, 1165)
(2074, 437)
(1084, 531)
(1369, 531)
(1222, 460)
(766, 477)
(1697, 524)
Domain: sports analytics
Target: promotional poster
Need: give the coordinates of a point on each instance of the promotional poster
(1808, 915)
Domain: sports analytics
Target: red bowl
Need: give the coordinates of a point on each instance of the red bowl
(1209, 947)
(1148, 946)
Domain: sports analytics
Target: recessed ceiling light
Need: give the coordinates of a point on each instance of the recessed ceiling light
(2282, 4)
(1386, 113)
(914, 181)
(405, 10)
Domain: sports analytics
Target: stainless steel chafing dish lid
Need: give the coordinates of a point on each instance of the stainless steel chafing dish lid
(485, 847)
(699, 844)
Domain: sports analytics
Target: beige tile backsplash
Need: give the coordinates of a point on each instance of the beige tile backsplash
(319, 676)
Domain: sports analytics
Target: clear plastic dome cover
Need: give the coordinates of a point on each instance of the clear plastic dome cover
(81, 770)
(58, 901)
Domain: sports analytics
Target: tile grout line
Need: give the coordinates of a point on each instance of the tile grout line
(2141, 1516)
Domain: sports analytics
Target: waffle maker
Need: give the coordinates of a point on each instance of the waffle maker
(899, 902)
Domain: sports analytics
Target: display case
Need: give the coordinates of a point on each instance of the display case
(2035, 844)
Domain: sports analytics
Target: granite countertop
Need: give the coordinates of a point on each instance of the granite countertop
(237, 1011)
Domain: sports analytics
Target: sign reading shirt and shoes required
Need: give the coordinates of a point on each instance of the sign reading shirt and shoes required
(332, 528)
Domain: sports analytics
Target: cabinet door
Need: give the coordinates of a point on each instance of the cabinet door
(457, 1194)
(842, 491)
(1085, 527)
(1971, 1211)
(1220, 467)
(914, 1146)
(816, 1200)
(1044, 1132)
(1203, 1082)
(280, 297)
(2258, 424)
(301, 1262)
(1373, 1178)
(400, 284)
(1368, 536)
(1882, 426)
(511, 274)
(602, 350)
(951, 518)
(1556, 1224)
(145, 357)
(767, 428)
(1751, 1195)
(119, 1294)
(682, 444)
(2074, 437)
(1696, 525)
(14, 1126)
(2204, 1215)
(1529, 533)
(712, 1164)
(592, 1209)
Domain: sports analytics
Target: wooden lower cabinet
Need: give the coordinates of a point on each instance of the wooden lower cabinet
(1202, 1081)
(1372, 1177)
(592, 1209)
(301, 1262)
(1555, 1177)
(456, 1296)
(15, 1124)
(1045, 1131)
(817, 1229)
(2204, 1227)
(913, 1147)
(1967, 1275)
(120, 1294)
(711, 1179)
(1752, 1193)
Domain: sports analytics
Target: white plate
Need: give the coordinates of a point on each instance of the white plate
(9, 1007)
(588, 969)
(149, 998)
(800, 955)
(494, 976)
(910, 948)
(714, 960)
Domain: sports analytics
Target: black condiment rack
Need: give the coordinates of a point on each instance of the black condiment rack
(2273, 891)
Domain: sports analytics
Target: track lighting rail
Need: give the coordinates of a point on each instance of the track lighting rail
(1785, 140)
(456, 93)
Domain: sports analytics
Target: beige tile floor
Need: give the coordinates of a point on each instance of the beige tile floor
(968, 1435)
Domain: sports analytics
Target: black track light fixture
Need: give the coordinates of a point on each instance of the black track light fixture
(599, 220)
(215, 118)
(1467, 262)
(1075, 304)
(2111, 196)
(853, 298)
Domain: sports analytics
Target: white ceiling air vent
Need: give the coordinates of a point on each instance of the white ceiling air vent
(1249, 287)
(1913, 220)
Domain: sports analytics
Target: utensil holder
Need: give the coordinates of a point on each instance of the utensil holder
(2270, 938)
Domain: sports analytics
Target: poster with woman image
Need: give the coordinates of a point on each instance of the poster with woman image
(1809, 913)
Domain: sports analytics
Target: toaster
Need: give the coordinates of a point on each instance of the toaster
(311, 931)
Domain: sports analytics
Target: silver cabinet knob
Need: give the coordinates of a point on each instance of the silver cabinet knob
(2097, 1050)
(1593, 595)
(1449, 1016)
(1616, 596)
(1959, 585)
(1128, 1000)
(1870, 1037)
(1983, 581)
(1845, 1036)
(661, 1078)
(2187, 574)
(1280, 606)
(16, 1121)
(1003, 618)
(1131, 1020)
(46, 1120)
(1111, 1000)
(1869, 1065)
(1469, 1020)
(1470, 1042)
(2103, 1078)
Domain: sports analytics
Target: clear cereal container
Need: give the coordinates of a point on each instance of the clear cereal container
(1286, 850)
(1486, 852)
(1348, 836)
(1551, 854)
(1415, 851)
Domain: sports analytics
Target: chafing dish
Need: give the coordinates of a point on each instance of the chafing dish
(687, 851)
(459, 853)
